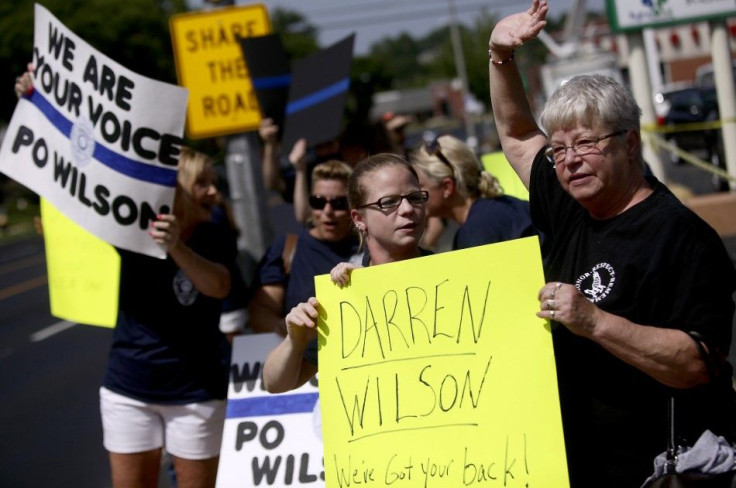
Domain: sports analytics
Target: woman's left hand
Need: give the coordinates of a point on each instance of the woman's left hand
(340, 274)
(565, 304)
(165, 231)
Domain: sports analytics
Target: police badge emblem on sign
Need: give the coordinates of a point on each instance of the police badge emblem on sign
(97, 140)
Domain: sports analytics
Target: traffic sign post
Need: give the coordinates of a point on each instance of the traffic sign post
(210, 63)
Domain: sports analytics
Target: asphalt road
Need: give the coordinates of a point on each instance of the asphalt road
(50, 373)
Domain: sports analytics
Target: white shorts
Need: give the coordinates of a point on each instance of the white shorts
(192, 431)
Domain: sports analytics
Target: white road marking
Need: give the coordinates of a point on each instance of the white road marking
(51, 330)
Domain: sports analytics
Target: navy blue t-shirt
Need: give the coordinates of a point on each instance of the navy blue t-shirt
(167, 347)
(493, 220)
(311, 258)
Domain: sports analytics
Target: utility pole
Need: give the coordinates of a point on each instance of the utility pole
(247, 193)
(726, 92)
(457, 49)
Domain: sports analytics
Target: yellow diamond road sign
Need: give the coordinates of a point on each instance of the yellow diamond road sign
(210, 63)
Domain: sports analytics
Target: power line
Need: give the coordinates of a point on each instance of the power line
(343, 9)
(359, 21)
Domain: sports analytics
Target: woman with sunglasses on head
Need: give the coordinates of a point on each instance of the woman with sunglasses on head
(388, 209)
(286, 273)
(632, 274)
(461, 190)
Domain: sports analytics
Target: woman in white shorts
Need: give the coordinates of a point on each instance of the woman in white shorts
(166, 379)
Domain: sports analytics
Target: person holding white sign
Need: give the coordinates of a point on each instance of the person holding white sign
(632, 274)
(166, 378)
(167, 371)
(388, 209)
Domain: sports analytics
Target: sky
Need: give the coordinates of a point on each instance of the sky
(373, 20)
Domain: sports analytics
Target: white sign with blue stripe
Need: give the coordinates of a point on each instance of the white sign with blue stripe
(269, 439)
(97, 140)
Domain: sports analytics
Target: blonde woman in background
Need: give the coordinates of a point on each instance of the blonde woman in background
(461, 190)
(166, 379)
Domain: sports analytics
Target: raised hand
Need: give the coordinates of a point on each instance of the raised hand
(514, 30)
(268, 131)
(24, 83)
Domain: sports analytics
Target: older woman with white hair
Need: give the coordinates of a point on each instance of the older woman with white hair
(635, 280)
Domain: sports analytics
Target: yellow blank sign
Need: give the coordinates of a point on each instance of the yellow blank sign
(84, 271)
(496, 164)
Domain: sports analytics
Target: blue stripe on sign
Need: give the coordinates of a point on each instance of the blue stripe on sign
(318, 96)
(268, 82)
(271, 405)
(111, 159)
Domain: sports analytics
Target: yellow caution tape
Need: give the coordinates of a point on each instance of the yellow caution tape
(693, 126)
(655, 140)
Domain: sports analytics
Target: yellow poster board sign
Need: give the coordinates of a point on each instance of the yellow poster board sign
(436, 372)
(84, 271)
(210, 63)
(497, 164)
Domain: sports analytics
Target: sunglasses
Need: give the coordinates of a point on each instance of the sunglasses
(337, 203)
(433, 148)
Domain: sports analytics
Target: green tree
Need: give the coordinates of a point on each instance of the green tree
(135, 33)
(298, 36)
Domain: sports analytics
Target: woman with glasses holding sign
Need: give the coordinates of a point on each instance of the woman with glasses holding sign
(632, 274)
(286, 273)
(388, 209)
(461, 190)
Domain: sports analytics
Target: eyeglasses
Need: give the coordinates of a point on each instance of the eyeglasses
(433, 148)
(415, 198)
(556, 153)
(338, 203)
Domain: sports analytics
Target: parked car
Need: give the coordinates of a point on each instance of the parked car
(692, 105)
(663, 96)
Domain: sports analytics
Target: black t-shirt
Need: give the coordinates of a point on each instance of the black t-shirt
(492, 220)
(655, 264)
(167, 347)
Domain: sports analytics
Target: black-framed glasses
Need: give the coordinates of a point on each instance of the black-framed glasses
(556, 153)
(433, 148)
(318, 202)
(388, 202)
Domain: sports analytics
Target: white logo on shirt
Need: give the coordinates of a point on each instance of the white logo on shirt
(184, 289)
(597, 283)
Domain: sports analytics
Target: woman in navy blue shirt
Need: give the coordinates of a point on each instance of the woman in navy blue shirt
(287, 278)
(166, 378)
(461, 190)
